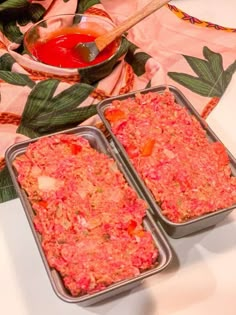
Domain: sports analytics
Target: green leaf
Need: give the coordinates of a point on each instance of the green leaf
(229, 72)
(86, 4)
(231, 68)
(76, 115)
(132, 48)
(61, 105)
(16, 78)
(13, 4)
(12, 32)
(27, 131)
(130, 53)
(33, 12)
(39, 99)
(72, 97)
(138, 63)
(6, 62)
(148, 85)
(202, 68)
(216, 64)
(7, 190)
(44, 113)
(23, 20)
(36, 12)
(195, 84)
(64, 121)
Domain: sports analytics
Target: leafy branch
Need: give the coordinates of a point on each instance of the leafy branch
(211, 80)
(45, 113)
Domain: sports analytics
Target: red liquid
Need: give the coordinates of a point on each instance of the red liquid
(58, 51)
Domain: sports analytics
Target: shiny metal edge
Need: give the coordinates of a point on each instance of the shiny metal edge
(183, 101)
(92, 134)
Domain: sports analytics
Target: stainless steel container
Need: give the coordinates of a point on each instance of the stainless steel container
(98, 141)
(175, 230)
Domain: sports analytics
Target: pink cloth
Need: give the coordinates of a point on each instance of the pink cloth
(166, 37)
(180, 48)
(162, 35)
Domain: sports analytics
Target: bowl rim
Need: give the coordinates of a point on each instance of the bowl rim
(99, 17)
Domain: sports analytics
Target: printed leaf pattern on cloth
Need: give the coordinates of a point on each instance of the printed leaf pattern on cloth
(45, 113)
(84, 5)
(12, 4)
(16, 78)
(137, 59)
(12, 31)
(18, 12)
(212, 80)
(50, 108)
(7, 190)
(6, 62)
(229, 72)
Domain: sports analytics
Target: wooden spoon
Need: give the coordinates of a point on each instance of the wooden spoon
(89, 51)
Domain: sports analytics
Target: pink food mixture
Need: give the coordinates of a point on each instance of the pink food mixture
(89, 218)
(187, 175)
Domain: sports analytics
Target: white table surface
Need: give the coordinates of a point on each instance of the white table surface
(200, 281)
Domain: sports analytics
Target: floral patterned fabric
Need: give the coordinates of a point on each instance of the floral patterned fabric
(33, 103)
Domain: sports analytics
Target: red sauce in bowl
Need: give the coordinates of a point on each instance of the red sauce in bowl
(58, 50)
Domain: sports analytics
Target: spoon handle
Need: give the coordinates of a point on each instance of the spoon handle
(104, 40)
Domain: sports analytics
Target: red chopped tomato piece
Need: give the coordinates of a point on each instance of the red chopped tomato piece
(75, 148)
(43, 203)
(114, 115)
(131, 227)
(132, 151)
(147, 149)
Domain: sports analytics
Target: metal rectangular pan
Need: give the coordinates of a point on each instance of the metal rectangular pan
(175, 230)
(98, 141)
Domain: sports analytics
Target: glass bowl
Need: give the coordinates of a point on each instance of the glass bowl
(62, 26)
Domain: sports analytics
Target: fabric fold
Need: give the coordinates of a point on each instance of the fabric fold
(162, 49)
